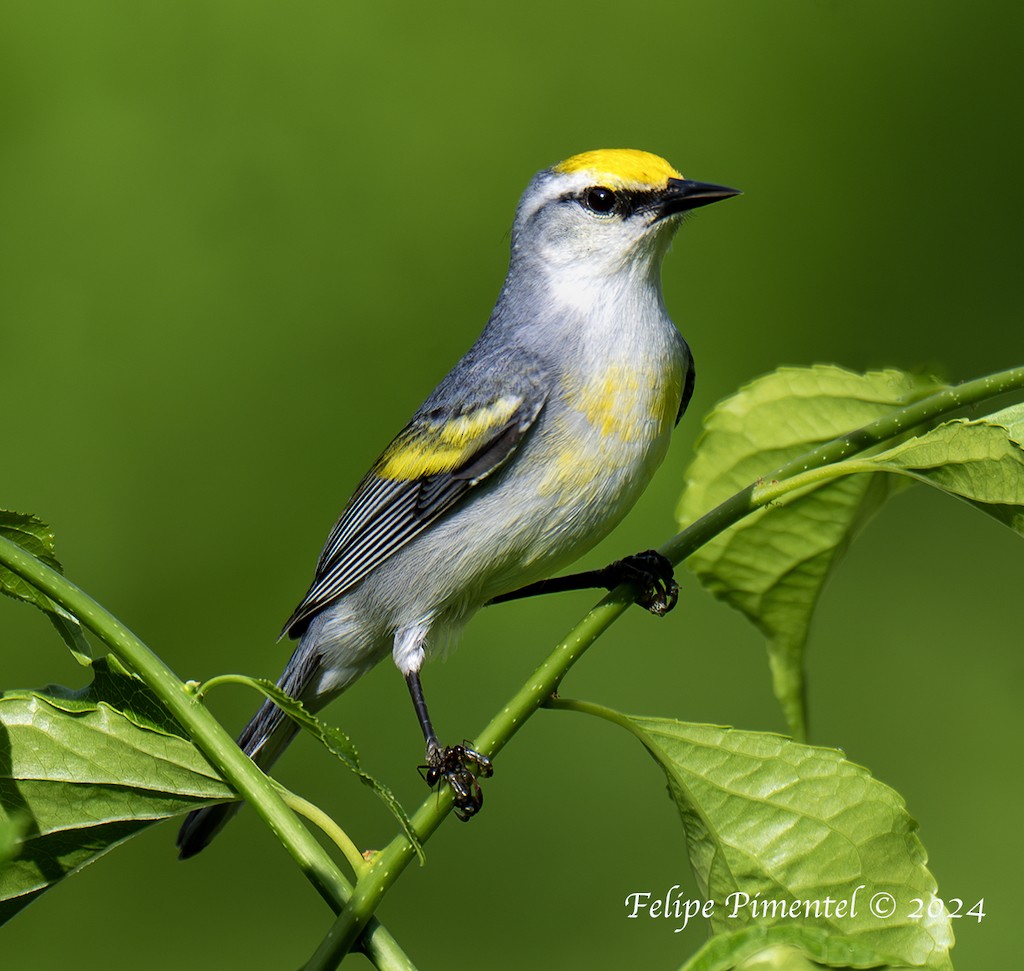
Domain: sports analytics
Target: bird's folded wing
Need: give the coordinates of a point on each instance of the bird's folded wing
(434, 462)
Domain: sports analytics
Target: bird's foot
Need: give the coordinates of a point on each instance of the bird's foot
(459, 766)
(653, 574)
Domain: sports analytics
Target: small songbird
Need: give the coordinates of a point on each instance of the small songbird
(529, 452)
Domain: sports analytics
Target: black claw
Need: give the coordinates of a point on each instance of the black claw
(655, 577)
(459, 766)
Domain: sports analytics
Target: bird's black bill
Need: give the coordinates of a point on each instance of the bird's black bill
(682, 195)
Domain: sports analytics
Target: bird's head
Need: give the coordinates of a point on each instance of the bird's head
(598, 213)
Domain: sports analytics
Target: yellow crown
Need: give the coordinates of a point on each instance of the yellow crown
(622, 168)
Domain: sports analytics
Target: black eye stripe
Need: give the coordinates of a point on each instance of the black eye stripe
(624, 202)
(628, 202)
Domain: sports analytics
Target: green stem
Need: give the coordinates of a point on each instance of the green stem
(382, 950)
(393, 859)
(766, 493)
(328, 826)
(600, 711)
(215, 682)
(208, 734)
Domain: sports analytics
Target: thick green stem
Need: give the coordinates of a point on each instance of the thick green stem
(215, 743)
(391, 861)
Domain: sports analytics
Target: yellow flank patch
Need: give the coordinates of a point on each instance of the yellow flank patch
(608, 404)
(622, 168)
(423, 450)
(623, 404)
(629, 410)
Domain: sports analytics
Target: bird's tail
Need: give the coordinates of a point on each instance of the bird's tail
(264, 739)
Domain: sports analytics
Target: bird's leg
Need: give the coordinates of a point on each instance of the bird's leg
(649, 571)
(458, 765)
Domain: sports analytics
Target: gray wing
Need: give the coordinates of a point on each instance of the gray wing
(435, 461)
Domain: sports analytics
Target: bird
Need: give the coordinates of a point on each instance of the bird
(530, 451)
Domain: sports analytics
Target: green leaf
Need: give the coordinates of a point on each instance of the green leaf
(773, 822)
(71, 633)
(35, 537)
(773, 565)
(784, 947)
(11, 831)
(981, 461)
(333, 739)
(82, 777)
(113, 685)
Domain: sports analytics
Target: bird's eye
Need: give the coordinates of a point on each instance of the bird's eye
(599, 199)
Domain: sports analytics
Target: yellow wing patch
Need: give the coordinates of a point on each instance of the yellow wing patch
(622, 168)
(429, 449)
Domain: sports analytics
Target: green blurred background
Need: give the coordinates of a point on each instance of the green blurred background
(239, 243)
